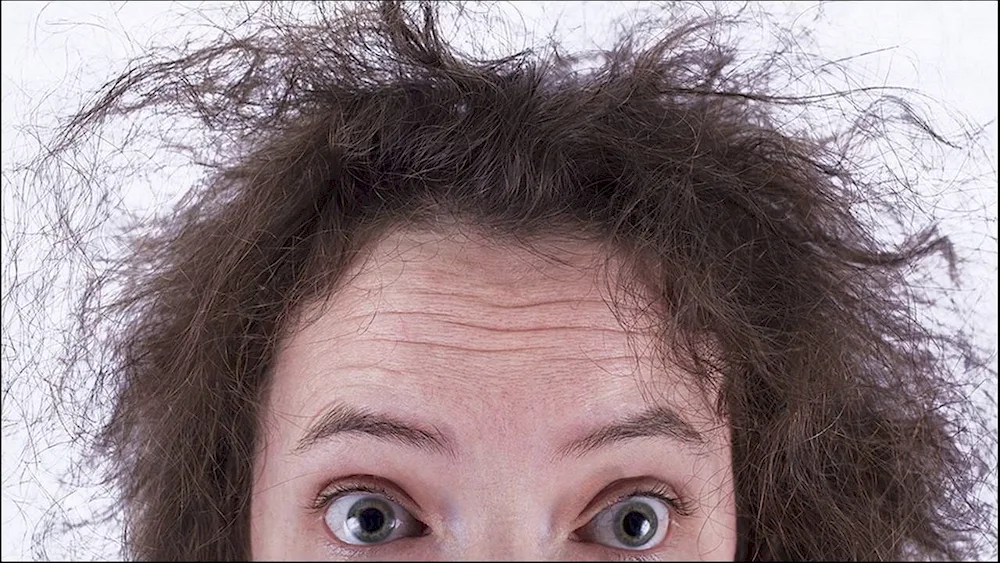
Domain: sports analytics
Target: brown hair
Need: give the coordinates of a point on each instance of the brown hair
(853, 435)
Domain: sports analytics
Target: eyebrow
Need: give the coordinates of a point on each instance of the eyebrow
(658, 421)
(344, 419)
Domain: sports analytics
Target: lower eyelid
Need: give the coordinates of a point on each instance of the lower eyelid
(641, 556)
(346, 551)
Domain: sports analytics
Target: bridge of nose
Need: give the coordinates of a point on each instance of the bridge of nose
(504, 503)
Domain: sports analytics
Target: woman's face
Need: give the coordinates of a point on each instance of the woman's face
(465, 400)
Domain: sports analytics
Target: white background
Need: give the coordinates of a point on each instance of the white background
(53, 54)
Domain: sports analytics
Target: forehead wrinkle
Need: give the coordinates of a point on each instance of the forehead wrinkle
(453, 318)
(501, 324)
(456, 332)
(446, 336)
(424, 255)
(418, 299)
(508, 296)
(402, 278)
(443, 335)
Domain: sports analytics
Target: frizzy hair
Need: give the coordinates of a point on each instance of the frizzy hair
(853, 434)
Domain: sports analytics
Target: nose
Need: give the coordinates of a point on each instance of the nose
(505, 513)
(509, 536)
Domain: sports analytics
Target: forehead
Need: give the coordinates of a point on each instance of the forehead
(450, 327)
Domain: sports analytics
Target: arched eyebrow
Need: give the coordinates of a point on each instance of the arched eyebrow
(345, 419)
(657, 421)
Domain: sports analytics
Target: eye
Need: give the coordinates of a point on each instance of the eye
(636, 523)
(365, 518)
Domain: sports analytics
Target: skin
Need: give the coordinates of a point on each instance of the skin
(508, 359)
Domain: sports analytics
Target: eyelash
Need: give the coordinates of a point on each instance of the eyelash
(677, 504)
(331, 493)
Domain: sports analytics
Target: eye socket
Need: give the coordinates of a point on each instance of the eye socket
(365, 518)
(635, 523)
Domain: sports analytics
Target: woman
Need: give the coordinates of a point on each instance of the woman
(427, 306)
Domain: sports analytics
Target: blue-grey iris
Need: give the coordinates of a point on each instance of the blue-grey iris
(635, 524)
(371, 520)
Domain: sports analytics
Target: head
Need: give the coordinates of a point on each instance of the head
(493, 394)
(520, 311)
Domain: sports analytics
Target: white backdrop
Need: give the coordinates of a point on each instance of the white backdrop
(54, 54)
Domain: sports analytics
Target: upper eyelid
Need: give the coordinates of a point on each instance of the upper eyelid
(642, 486)
(325, 498)
(370, 484)
(678, 505)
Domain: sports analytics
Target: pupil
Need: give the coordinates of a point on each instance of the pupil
(371, 520)
(636, 524)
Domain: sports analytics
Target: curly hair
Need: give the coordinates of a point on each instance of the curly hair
(854, 437)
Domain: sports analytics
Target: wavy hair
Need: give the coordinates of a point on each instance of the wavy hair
(318, 129)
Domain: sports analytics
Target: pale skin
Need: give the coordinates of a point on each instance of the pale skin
(488, 404)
